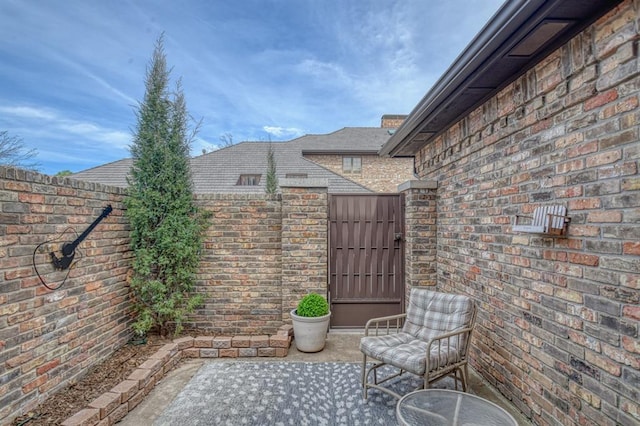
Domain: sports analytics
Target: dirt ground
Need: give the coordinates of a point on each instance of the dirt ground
(100, 378)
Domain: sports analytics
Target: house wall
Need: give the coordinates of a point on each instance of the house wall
(558, 326)
(379, 174)
(49, 338)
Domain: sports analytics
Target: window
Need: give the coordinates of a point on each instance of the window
(351, 164)
(249, 180)
(296, 175)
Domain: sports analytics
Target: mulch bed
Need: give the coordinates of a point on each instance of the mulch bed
(99, 379)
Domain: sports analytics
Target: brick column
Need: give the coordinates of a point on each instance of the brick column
(420, 235)
(304, 240)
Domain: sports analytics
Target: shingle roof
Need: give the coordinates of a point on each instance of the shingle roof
(220, 170)
(113, 174)
(346, 140)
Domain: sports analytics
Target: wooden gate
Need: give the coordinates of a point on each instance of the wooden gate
(366, 257)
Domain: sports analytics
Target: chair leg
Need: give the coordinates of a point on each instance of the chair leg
(465, 373)
(364, 377)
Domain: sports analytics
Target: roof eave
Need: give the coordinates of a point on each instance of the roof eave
(510, 26)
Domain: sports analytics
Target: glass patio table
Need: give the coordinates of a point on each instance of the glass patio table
(443, 407)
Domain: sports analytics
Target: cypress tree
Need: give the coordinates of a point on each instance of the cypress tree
(167, 228)
(271, 185)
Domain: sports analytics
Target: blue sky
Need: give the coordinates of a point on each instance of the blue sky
(72, 71)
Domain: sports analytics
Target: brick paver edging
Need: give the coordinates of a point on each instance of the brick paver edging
(112, 406)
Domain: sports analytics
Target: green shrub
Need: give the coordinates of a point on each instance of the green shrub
(312, 305)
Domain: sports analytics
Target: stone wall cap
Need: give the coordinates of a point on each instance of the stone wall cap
(418, 184)
(303, 183)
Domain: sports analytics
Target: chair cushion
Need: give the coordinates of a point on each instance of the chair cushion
(431, 314)
(406, 352)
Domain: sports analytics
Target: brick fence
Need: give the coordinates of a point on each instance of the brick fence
(48, 339)
(261, 254)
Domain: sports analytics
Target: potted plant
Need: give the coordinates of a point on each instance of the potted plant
(310, 323)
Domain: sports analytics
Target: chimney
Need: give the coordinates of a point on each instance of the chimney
(392, 121)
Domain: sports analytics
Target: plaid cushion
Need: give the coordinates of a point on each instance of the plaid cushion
(431, 314)
(405, 351)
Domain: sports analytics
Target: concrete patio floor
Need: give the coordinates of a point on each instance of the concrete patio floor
(341, 347)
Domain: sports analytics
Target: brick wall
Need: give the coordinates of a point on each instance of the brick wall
(420, 235)
(379, 174)
(305, 236)
(241, 265)
(262, 254)
(392, 121)
(557, 331)
(49, 338)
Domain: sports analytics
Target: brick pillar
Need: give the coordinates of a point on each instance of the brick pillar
(420, 235)
(304, 240)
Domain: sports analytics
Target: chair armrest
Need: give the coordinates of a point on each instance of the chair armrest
(462, 348)
(389, 323)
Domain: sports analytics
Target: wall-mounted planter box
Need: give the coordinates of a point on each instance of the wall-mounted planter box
(550, 220)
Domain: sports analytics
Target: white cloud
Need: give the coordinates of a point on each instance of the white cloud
(283, 132)
(70, 75)
(27, 112)
(59, 126)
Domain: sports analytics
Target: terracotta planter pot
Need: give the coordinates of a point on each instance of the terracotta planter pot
(310, 333)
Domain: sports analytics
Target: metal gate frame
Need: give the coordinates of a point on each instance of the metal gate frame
(374, 272)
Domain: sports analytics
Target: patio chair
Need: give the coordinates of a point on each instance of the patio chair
(430, 340)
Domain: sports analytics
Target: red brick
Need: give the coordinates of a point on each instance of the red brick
(162, 355)
(631, 311)
(279, 341)
(203, 342)
(152, 364)
(86, 417)
(259, 341)
(170, 347)
(34, 384)
(126, 389)
(601, 99)
(228, 353)
(141, 375)
(605, 216)
(285, 330)
(240, 341)
(48, 366)
(20, 359)
(584, 259)
(267, 352)
(191, 353)
(136, 399)
(631, 247)
(631, 344)
(106, 403)
(31, 198)
(118, 414)
(184, 342)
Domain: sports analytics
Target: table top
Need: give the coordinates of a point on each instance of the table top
(444, 407)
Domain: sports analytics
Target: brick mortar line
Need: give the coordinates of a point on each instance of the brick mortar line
(114, 405)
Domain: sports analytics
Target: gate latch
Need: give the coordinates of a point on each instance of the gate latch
(398, 236)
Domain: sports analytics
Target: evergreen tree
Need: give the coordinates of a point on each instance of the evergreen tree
(271, 185)
(167, 228)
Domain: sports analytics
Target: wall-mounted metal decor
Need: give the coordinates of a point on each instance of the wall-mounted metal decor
(54, 259)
